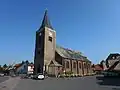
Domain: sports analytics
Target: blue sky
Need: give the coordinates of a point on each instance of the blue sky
(90, 26)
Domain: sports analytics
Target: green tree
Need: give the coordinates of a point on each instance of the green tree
(5, 66)
(1, 69)
(23, 62)
(31, 63)
(101, 63)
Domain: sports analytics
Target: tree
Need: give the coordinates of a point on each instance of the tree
(27, 61)
(31, 63)
(101, 63)
(93, 66)
(23, 62)
(5, 66)
(1, 69)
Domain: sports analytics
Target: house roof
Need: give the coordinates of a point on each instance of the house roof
(17, 65)
(67, 53)
(54, 63)
(114, 66)
(98, 67)
(112, 55)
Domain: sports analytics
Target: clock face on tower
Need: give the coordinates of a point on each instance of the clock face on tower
(50, 33)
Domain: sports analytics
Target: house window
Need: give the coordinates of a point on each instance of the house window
(80, 65)
(50, 38)
(74, 65)
(67, 64)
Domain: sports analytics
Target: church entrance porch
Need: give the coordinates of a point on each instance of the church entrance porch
(54, 68)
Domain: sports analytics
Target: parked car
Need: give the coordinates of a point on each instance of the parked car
(39, 76)
(1, 74)
(13, 75)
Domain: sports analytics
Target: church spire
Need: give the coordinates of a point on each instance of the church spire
(46, 22)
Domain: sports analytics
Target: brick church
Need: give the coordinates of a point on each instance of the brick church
(50, 57)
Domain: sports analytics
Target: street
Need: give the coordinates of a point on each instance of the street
(2, 79)
(81, 83)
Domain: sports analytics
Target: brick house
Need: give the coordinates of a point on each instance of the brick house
(52, 58)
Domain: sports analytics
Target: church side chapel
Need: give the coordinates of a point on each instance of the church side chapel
(53, 58)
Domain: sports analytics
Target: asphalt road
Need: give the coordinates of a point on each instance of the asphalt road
(82, 83)
(2, 79)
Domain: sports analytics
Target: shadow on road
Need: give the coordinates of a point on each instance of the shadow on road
(111, 81)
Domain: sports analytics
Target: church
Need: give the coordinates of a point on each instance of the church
(52, 58)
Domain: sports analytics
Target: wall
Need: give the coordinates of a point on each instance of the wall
(30, 69)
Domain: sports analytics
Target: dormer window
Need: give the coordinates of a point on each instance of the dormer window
(113, 57)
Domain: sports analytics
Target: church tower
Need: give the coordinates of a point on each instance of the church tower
(44, 46)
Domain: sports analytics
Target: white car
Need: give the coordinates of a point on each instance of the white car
(1, 74)
(39, 76)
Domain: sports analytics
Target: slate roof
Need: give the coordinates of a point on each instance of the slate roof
(110, 57)
(54, 63)
(46, 21)
(114, 66)
(71, 54)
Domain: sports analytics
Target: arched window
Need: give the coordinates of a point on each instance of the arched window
(80, 65)
(67, 64)
(88, 66)
(74, 64)
(84, 65)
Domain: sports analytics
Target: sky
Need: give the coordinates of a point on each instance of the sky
(89, 26)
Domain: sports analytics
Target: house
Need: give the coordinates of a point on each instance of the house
(97, 68)
(24, 68)
(53, 58)
(112, 63)
(30, 69)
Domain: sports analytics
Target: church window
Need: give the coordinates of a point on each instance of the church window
(74, 65)
(38, 52)
(50, 38)
(67, 64)
(85, 65)
(40, 34)
(80, 65)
